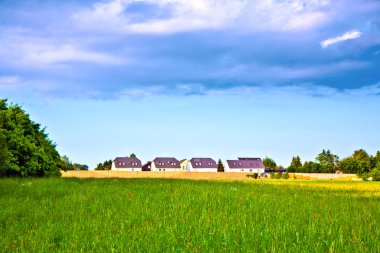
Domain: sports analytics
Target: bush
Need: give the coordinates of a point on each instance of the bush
(285, 175)
(364, 176)
(375, 174)
(254, 175)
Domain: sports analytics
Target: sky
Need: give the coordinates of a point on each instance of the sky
(200, 78)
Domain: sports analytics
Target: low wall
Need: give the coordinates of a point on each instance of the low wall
(154, 174)
(322, 176)
(196, 175)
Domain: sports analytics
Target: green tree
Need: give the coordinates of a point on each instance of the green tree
(78, 166)
(360, 155)
(295, 165)
(25, 148)
(269, 163)
(375, 160)
(359, 163)
(311, 167)
(220, 166)
(106, 165)
(349, 165)
(327, 161)
(66, 164)
(375, 173)
(132, 155)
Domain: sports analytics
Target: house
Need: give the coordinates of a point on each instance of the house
(245, 164)
(126, 164)
(183, 164)
(165, 164)
(202, 165)
(147, 166)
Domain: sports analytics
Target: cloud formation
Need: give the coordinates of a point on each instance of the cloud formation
(172, 16)
(354, 34)
(144, 47)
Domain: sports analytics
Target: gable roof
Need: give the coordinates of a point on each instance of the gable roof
(206, 163)
(183, 160)
(245, 163)
(127, 162)
(166, 162)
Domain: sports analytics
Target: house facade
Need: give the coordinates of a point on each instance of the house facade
(165, 164)
(183, 164)
(202, 165)
(245, 165)
(126, 164)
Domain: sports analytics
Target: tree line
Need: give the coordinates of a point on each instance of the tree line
(360, 163)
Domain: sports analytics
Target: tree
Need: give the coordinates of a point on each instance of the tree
(25, 148)
(132, 155)
(78, 166)
(359, 163)
(311, 167)
(66, 164)
(106, 165)
(269, 163)
(360, 155)
(220, 166)
(327, 161)
(375, 160)
(375, 173)
(295, 165)
(349, 165)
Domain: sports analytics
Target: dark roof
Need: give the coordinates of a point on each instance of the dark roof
(249, 158)
(127, 162)
(146, 166)
(253, 163)
(276, 171)
(167, 162)
(200, 163)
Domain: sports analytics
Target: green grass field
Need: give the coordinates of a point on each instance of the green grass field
(158, 215)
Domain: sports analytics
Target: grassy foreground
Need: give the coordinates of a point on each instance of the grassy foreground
(158, 215)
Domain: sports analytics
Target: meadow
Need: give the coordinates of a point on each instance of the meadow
(167, 215)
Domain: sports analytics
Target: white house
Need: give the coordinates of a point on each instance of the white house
(165, 164)
(202, 165)
(126, 164)
(245, 165)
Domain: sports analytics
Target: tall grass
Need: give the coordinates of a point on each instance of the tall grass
(158, 215)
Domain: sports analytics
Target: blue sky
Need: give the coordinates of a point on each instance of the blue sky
(182, 78)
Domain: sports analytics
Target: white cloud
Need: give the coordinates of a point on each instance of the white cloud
(184, 15)
(66, 53)
(354, 34)
(10, 82)
(21, 49)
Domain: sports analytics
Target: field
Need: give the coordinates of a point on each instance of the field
(166, 215)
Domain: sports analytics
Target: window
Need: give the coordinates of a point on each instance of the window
(250, 170)
(242, 170)
(164, 169)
